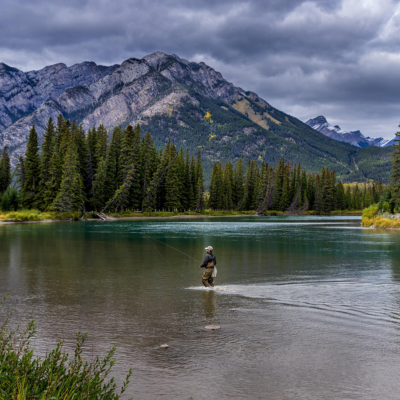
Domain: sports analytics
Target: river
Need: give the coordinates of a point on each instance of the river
(309, 307)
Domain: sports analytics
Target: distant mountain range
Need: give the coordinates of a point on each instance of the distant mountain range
(189, 102)
(356, 138)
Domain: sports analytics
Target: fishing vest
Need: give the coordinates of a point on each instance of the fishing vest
(211, 263)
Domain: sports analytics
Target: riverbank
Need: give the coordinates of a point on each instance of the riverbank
(372, 218)
(35, 216)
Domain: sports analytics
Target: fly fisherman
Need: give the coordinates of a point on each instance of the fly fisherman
(209, 263)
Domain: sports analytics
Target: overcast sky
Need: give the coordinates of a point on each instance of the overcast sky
(340, 59)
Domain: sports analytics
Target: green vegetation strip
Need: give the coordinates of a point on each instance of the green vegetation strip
(376, 218)
(56, 376)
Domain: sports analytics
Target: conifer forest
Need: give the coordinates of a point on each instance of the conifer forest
(73, 170)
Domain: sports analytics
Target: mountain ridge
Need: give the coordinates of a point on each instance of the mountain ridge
(170, 97)
(355, 138)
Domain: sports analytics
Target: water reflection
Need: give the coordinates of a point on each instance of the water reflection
(309, 307)
(209, 304)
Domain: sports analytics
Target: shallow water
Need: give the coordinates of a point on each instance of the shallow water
(309, 307)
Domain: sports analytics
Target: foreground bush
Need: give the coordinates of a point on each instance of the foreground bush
(57, 376)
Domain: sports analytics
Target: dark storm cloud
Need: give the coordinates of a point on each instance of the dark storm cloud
(337, 58)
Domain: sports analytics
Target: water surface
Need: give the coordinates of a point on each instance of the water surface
(309, 307)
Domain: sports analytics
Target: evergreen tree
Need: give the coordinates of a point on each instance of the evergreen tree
(395, 177)
(48, 149)
(100, 198)
(81, 146)
(172, 195)
(99, 189)
(216, 200)
(340, 196)
(227, 186)
(30, 192)
(21, 173)
(199, 184)
(113, 164)
(238, 192)
(278, 184)
(71, 195)
(193, 185)
(5, 170)
(53, 183)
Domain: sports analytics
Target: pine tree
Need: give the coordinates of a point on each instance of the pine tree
(148, 160)
(181, 173)
(199, 193)
(136, 189)
(227, 184)
(193, 185)
(81, 146)
(48, 149)
(216, 200)
(395, 177)
(113, 164)
(238, 192)
(30, 192)
(285, 194)
(5, 168)
(278, 184)
(340, 196)
(100, 198)
(71, 195)
(21, 173)
(53, 183)
(172, 195)
(99, 190)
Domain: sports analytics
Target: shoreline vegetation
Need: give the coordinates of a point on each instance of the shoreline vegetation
(385, 214)
(58, 375)
(71, 171)
(374, 217)
(32, 216)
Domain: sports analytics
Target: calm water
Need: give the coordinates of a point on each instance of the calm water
(309, 307)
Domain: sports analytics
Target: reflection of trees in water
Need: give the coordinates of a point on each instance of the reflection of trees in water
(209, 304)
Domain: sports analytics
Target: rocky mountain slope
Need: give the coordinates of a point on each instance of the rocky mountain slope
(171, 97)
(355, 138)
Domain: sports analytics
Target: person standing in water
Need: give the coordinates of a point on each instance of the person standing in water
(209, 262)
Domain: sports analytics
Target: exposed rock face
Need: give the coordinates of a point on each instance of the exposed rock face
(94, 95)
(356, 138)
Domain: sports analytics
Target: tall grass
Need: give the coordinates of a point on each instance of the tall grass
(36, 215)
(55, 377)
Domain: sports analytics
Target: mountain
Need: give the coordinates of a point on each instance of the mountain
(189, 102)
(356, 138)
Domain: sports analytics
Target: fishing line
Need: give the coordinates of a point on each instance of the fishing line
(160, 253)
(173, 248)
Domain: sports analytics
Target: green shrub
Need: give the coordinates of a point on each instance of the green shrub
(10, 200)
(57, 376)
(371, 211)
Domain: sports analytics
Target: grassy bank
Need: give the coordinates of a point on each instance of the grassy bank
(372, 217)
(35, 215)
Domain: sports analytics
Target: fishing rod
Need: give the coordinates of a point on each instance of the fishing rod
(172, 248)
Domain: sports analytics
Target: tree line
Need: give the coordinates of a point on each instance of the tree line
(285, 188)
(73, 170)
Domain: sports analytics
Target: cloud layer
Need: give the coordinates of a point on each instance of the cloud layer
(339, 58)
